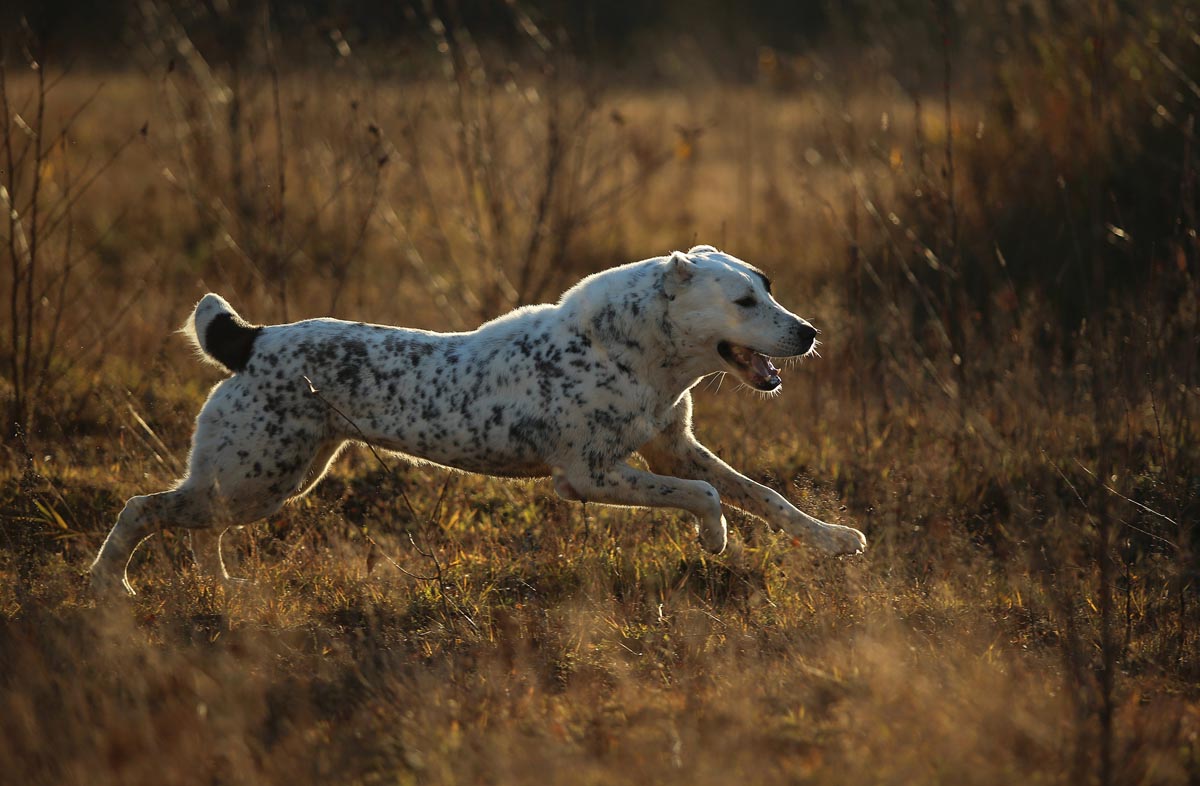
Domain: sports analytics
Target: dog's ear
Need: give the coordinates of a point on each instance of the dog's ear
(680, 271)
(705, 249)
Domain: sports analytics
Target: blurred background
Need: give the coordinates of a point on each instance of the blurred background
(939, 177)
(988, 208)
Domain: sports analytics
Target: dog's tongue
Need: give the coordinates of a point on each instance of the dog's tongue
(764, 368)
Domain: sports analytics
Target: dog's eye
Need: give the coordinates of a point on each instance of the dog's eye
(746, 302)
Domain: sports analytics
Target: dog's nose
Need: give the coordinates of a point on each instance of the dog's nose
(806, 334)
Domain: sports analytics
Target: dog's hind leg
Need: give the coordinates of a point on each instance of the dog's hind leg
(207, 554)
(625, 485)
(141, 517)
(247, 460)
(231, 499)
(207, 551)
(319, 466)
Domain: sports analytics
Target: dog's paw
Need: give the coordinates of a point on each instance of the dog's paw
(105, 584)
(714, 535)
(837, 540)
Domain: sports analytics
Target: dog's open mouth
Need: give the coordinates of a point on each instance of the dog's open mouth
(754, 368)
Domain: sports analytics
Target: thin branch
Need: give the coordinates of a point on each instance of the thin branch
(446, 601)
(59, 210)
(279, 220)
(948, 119)
(13, 257)
(431, 554)
(395, 564)
(1134, 502)
(365, 440)
(34, 229)
(60, 308)
(1085, 506)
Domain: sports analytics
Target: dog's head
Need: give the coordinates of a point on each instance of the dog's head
(724, 306)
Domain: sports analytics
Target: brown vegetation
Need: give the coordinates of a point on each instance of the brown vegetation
(991, 216)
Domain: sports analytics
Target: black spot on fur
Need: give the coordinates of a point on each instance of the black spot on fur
(230, 341)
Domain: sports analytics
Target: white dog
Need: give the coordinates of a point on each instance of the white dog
(569, 390)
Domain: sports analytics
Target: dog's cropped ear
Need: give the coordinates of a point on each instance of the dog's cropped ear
(680, 271)
(705, 249)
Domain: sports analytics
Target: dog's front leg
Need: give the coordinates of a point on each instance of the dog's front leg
(679, 453)
(625, 485)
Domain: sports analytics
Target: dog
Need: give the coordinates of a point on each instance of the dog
(568, 391)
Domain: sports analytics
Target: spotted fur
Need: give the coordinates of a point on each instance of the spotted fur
(570, 391)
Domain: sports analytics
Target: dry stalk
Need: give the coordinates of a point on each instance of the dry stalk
(437, 580)
(40, 243)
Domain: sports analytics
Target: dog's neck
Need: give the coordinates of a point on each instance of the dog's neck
(635, 328)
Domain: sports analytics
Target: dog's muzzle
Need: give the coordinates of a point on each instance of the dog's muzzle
(754, 368)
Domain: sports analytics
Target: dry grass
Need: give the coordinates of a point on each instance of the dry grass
(1006, 403)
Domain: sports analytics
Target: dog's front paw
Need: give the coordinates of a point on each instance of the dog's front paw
(837, 540)
(714, 535)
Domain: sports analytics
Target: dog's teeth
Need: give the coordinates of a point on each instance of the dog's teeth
(762, 366)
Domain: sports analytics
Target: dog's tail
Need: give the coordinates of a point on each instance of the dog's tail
(220, 334)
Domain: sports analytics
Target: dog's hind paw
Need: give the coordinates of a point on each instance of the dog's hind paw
(235, 582)
(104, 585)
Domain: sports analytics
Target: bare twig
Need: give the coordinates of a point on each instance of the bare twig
(312, 389)
(9, 197)
(1135, 503)
(442, 596)
(438, 578)
(1079, 498)
(395, 564)
(279, 215)
(944, 12)
(35, 205)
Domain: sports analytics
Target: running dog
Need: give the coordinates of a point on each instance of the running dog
(570, 391)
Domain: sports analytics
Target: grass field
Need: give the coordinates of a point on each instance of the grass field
(1002, 257)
